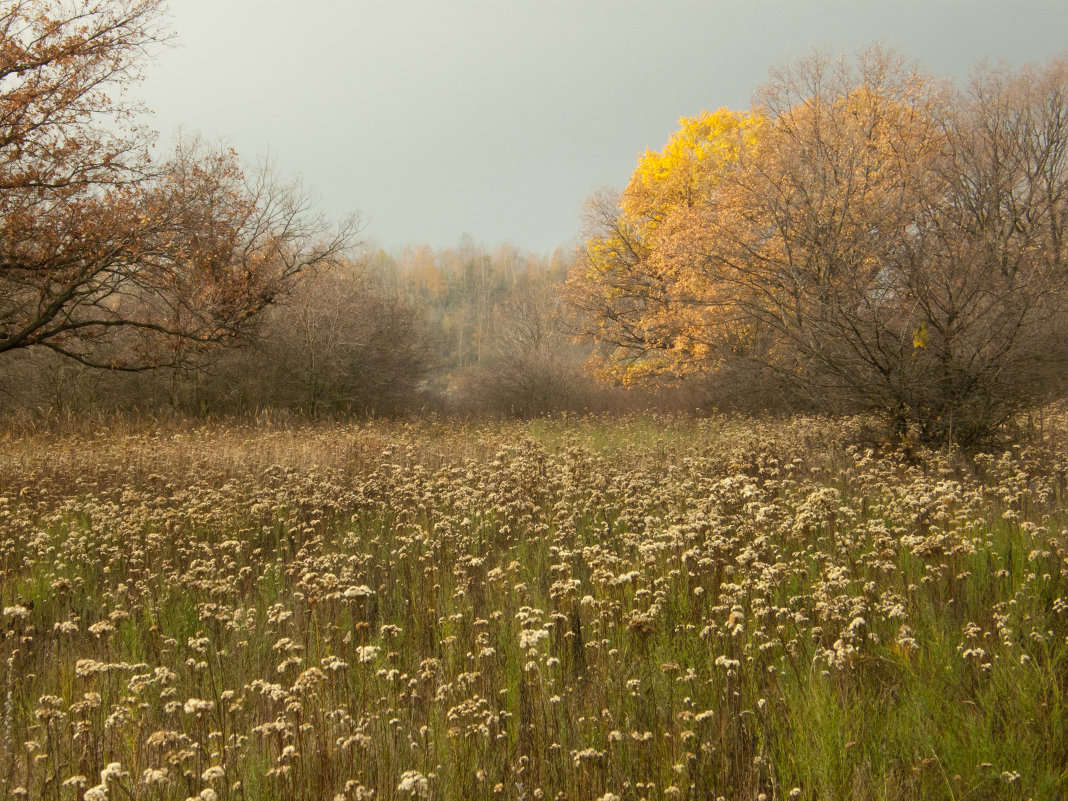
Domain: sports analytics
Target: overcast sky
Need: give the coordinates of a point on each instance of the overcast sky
(497, 118)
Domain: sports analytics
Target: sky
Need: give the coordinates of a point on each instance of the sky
(496, 119)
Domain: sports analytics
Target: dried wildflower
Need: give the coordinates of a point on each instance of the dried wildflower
(197, 706)
(367, 653)
(101, 629)
(586, 755)
(153, 776)
(414, 783)
(529, 638)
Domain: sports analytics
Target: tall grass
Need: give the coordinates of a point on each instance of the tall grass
(658, 608)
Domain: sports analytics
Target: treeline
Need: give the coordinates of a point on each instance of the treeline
(194, 285)
(863, 237)
(189, 283)
(462, 330)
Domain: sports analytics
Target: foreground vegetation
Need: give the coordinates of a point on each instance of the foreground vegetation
(650, 608)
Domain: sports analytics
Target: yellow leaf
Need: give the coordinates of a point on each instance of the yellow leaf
(919, 336)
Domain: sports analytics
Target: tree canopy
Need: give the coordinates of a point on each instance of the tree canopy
(107, 255)
(872, 236)
(644, 282)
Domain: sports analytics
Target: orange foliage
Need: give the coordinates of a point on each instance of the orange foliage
(105, 255)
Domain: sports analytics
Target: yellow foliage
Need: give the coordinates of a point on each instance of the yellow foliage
(645, 274)
(741, 211)
(687, 169)
(920, 336)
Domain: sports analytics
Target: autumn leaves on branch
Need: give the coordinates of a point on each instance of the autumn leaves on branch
(867, 235)
(108, 256)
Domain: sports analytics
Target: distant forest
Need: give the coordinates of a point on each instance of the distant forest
(464, 330)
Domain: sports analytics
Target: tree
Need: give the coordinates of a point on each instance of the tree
(818, 216)
(532, 368)
(106, 256)
(339, 343)
(636, 284)
(903, 241)
(888, 243)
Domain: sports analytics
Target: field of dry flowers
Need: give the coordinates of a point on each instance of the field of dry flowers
(653, 608)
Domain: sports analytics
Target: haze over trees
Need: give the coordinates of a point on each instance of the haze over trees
(378, 333)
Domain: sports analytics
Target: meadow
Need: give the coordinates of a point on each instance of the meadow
(576, 608)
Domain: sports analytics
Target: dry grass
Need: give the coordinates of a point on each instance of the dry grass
(652, 608)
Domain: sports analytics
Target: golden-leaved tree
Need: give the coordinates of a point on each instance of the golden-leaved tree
(107, 256)
(647, 292)
(881, 241)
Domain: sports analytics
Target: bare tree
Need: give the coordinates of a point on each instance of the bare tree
(904, 243)
(533, 368)
(339, 343)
